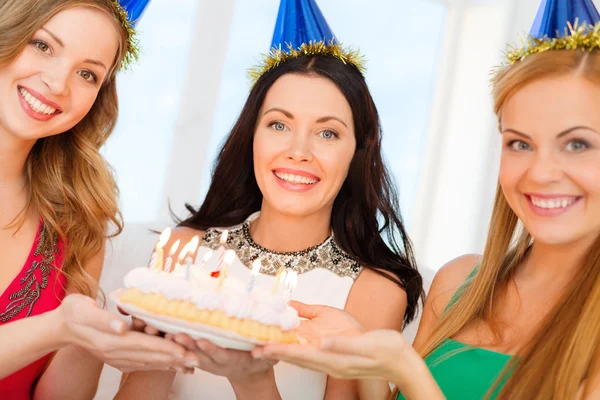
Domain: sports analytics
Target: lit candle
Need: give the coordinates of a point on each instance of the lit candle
(191, 249)
(207, 256)
(229, 257)
(221, 250)
(181, 256)
(169, 260)
(291, 280)
(156, 261)
(279, 277)
(256, 266)
(197, 268)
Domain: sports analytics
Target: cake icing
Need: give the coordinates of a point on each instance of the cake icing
(203, 291)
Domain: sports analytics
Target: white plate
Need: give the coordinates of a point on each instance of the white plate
(221, 337)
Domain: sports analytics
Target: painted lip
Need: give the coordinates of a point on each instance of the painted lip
(41, 98)
(33, 114)
(551, 212)
(296, 172)
(295, 187)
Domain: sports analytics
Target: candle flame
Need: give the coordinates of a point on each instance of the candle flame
(184, 252)
(174, 247)
(189, 248)
(224, 236)
(193, 244)
(164, 238)
(256, 267)
(229, 257)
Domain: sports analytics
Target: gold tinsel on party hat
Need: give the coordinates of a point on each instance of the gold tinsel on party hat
(277, 57)
(133, 49)
(582, 37)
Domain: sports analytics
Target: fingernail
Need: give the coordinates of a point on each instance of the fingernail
(192, 364)
(116, 326)
(326, 343)
(178, 355)
(259, 355)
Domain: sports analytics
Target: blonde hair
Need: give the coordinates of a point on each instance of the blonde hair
(71, 185)
(560, 356)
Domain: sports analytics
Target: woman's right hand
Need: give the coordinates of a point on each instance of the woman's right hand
(108, 338)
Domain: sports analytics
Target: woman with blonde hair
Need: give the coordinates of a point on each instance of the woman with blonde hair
(524, 322)
(58, 198)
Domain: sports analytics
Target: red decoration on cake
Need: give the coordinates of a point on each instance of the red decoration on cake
(215, 274)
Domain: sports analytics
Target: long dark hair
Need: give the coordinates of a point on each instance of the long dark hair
(365, 220)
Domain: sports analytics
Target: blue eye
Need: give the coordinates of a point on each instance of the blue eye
(576, 145)
(519, 145)
(278, 126)
(327, 134)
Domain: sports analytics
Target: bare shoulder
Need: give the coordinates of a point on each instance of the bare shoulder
(376, 301)
(184, 235)
(370, 282)
(449, 279)
(445, 283)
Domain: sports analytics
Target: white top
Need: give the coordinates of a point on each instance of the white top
(318, 285)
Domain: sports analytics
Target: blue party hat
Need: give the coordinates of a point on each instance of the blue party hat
(134, 8)
(301, 30)
(559, 25)
(298, 22)
(553, 17)
(129, 13)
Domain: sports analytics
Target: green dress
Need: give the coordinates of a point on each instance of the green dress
(465, 372)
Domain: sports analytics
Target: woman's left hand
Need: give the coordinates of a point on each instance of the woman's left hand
(233, 364)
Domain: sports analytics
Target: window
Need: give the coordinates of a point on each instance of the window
(149, 98)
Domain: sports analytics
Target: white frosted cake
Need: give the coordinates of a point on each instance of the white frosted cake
(193, 293)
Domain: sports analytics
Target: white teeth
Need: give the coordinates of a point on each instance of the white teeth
(35, 104)
(552, 203)
(296, 178)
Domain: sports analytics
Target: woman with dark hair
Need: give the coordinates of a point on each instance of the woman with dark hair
(300, 183)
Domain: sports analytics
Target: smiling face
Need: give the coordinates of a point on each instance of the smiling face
(303, 144)
(53, 83)
(550, 165)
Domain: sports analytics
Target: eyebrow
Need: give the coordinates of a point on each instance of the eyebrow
(61, 44)
(281, 110)
(291, 116)
(561, 134)
(98, 63)
(329, 118)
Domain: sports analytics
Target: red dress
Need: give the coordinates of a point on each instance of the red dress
(38, 288)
